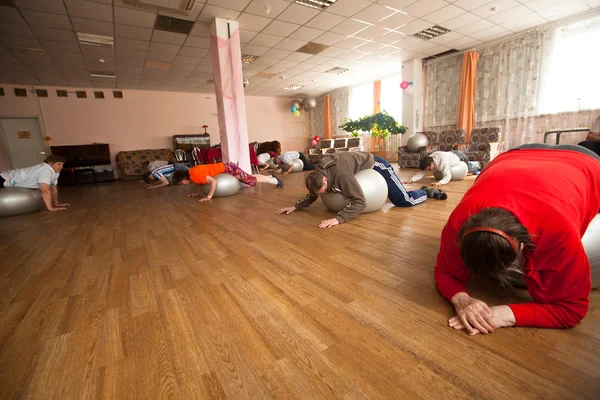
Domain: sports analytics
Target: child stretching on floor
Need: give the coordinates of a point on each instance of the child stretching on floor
(205, 173)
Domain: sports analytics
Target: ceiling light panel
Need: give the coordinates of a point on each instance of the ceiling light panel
(90, 39)
(432, 32)
(316, 4)
(293, 87)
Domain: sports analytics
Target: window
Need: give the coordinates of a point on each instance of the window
(1, 91)
(117, 94)
(81, 94)
(361, 101)
(41, 92)
(570, 80)
(99, 95)
(19, 92)
(62, 93)
(391, 96)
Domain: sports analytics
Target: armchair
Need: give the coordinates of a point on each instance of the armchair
(406, 159)
(485, 145)
(448, 139)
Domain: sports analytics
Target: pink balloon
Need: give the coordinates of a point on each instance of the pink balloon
(404, 85)
(314, 142)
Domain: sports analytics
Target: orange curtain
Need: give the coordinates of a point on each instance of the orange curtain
(466, 103)
(327, 133)
(376, 109)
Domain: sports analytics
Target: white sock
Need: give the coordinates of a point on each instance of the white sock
(272, 180)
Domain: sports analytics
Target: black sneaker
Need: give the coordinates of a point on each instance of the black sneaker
(432, 193)
(279, 182)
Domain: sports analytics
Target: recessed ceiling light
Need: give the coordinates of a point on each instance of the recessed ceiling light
(337, 70)
(90, 39)
(101, 60)
(293, 87)
(318, 4)
(102, 74)
(247, 58)
(432, 32)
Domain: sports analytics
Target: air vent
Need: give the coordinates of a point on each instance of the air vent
(312, 48)
(117, 94)
(293, 87)
(247, 58)
(337, 70)
(19, 92)
(432, 32)
(316, 4)
(62, 93)
(81, 94)
(209, 81)
(90, 39)
(102, 74)
(41, 92)
(172, 24)
(184, 6)
(99, 95)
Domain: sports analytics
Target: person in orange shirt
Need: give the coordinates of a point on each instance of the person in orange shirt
(205, 173)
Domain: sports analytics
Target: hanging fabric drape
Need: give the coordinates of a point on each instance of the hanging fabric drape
(376, 143)
(327, 133)
(466, 102)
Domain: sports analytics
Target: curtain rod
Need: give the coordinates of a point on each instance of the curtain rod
(574, 18)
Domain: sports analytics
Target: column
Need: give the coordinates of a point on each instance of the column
(412, 101)
(226, 54)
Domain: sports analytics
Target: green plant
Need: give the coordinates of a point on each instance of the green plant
(380, 125)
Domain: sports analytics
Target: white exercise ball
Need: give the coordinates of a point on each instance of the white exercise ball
(17, 201)
(416, 142)
(271, 164)
(458, 172)
(375, 191)
(227, 185)
(297, 165)
(591, 245)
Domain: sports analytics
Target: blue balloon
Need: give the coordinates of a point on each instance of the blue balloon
(293, 109)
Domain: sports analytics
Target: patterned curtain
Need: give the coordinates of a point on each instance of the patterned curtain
(340, 104)
(442, 91)
(316, 119)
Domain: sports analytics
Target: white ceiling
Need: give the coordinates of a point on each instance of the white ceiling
(369, 37)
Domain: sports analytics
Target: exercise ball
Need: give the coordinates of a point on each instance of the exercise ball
(458, 172)
(297, 165)
(271, 164)
(297, 104)
(227, 185)
(591, 245)
(417, 142)
(17, 201)
(374, 188)
(310, 103)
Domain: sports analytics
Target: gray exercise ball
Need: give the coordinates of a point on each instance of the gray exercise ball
(417, 142)
(374, 188)
(591, 245)
(297, 165)
(227, 185)
(297, 104)
(17, 201)
(458, 172)
(271, 164)
(310, 103)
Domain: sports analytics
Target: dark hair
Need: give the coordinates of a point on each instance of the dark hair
(147, 177)
(179, 176)
(53, 158)
(489, 254)
(425, 162)
(314, 181)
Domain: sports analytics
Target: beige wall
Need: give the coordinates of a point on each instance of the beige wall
(148, 119)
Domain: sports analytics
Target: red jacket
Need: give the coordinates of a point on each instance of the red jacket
(555, 194)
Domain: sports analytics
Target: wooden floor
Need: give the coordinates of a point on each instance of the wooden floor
(136, 294)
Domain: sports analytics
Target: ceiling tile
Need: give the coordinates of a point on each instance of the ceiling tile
(16, 30)
(471, 4)
(10, 15)
(246, 36)
(464, 43)
(196, 41)
(351, 55)
(277, 53)
(50, 6)
(505, 16)
(254, 50)
(369, 47)
(463, 20)
(192, 52)
(132, 32)
(27, 43)
(253, 22)
(407, 42)
(181, 69)
(162, 57)
(187, 60)
(168, 37)
(348, 8)
(298, 14)
(131, 62)
(373, 14)
(444, 14)
(262, 39)
(390, 38)
(95, 27)
(524, 22)
(290, 44)
(90, 10)
(209, 13)
(415, 26)
(396, 4)
(475, 27)
(62, 47)
(130, 44)
(329, 38)
(307, 33)
(97, 52)
(37, 18)
(396, 21)
(325, 21)
(446, 37)
(163, 48)
(371, 33)
(200, 29)
(264, 61)
(489, 32)
(350, 43)
(127, 16)
(495, 7)
(424, 45)
(333, 52)
(135, 54)
(276, 7)
(298, 57)
(231, 4)
(537, 5)
(280, 28)
(424, 7)
(349, 27)
(563, 10)
(68, 58)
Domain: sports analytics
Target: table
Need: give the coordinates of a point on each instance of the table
(561, 131)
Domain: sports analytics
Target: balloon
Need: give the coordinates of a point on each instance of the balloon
(318, 138)
(296, 113)
(296, 103)
(310, 103)
(314, 142)
(404, 85)
(409, 91)
(293, 109)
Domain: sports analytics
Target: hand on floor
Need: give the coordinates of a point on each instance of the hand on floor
(62, 205)
(436, 184)
(193, 195)
(472, 314)
(502, 317)
(328, 223)
(286, 210)
(204, 199)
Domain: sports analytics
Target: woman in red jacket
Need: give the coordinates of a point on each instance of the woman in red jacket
(526, 213)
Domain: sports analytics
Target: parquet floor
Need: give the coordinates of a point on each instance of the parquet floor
(136, 294)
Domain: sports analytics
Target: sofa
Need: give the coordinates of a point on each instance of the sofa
(330, 146)
(131, 163)
(406, 159)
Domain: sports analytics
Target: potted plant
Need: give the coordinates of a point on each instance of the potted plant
(381, 125)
